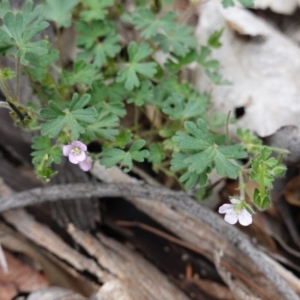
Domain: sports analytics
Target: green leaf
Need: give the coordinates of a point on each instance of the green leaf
(214, 39)
(60, 11)
(176, 63)
(199, 138)
(113, 156)
(45, 151)
(39, 65)
(124, 137)
(151, 24)
(82, 73)
(109, 97)
(247, 3)
(20, 28)
(95, 9)
(251, 143)
(178, 40)
(227, 3)
(157, 153)
(199, 152)
(7, 73)
(129, 74)
(101, 51)
(106, 126)
(216, 78)
(142, 95)
(100, 40)
(205, 52)
(73, 118)
(261, 202)
(44, 156)
(279, 170)
(4, 7)
(179, 163)
(177, 108)
(90, 33)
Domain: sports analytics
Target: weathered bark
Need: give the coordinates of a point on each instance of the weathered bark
(185, 218)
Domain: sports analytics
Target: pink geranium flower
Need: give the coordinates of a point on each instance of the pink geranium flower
(75, 151)
(236, 211)
(86, 165)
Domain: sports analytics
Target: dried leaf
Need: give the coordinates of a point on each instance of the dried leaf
(282, 7)
(292, 191)
(21, 278)
(262, 64)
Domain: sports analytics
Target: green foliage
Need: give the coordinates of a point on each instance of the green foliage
(168, 122)
(82, 73)
(141, 96)
(214, 39)
(177, 108)
(176, 63)
(123, 138)
(129, 73)
(216, 78)
(100, 40)
(156, 154)
(95, 9)
(230, 3)
(105, 126)
(73, 117)
(4, 7)
(247, 3)
(60, 11)
(199, 153)
(6, 74)
(251, 143)
(150, 24)
(211, 66)
(44, 156)
(178, 41)
(227, 3)
(109, 98)
(113, 156)
(164, 30)
(264, 170)
(18, 30)
(39, 65)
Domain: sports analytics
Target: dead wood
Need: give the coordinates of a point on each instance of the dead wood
(113, 290)
(114, 263)
(54, 293)
(185, 218)
(140, 279)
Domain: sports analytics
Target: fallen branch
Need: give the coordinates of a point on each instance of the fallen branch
(169, 199)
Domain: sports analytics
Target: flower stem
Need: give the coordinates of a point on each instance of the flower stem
(18, 74)
(262, 188)
(241, 186)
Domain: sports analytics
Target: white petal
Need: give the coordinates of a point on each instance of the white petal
(235, 201)
(81, 156)
(225, 208)
(73, 159)
(86, 164)
(231, 217)
(245, 218)
(67, 150)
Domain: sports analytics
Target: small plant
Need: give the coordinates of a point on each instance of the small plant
(87, 101)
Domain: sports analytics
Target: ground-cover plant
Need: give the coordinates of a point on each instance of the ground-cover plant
(169, 125)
